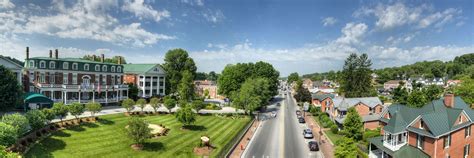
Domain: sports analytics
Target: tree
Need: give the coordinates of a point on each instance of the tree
(345, 148)
(176, 62)
(465, 90)
(138, 131)
(198, 105)
(36, 119)
(303, 95)
(206, 93)
(132, 91)
(212, 76)
(417, 99)
(19, 122)
(357, 79)
(186, 86)
(49, 114)
(253, 94)
(433, 92)
(141, 103)
(400, 95)
(60, 110)
(10, 90)
(93, 107)
(7, 154)
(293, 77)
(76, 109)
(128, 104)
(200, 76)
(353, 125)
(169, 103)
(186, 116)
(155, 103)
(8, 134)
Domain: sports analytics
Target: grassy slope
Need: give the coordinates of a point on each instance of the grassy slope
(107, 138)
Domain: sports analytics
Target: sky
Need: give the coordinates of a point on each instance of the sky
(303, 36)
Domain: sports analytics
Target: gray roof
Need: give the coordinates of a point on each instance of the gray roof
(345, 103)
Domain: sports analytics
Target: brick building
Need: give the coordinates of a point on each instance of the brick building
(73, 79)
(201, 86)
(441, 128)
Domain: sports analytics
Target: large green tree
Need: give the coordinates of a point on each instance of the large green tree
(10, 90)
(186, 86)
(176, 62)
(353, 125)
(433, 92)
(60, 110)
(212, 76)
(137, 130)
(345, 148)
(417, 98)
(466, 90)
(293, 77)
(253, 94)
(302, 95)
(357, 79)
(36, 119)
(400, 95)
(76, 109)
(18, 121)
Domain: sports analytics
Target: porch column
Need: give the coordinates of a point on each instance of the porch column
(158, 86)
(79, 96)
(65, 97)
(151, 86)
(117, 96)
(93, 96)
(62, 96)
(164, 84)
(52, 95)
(143, 86)
(106, 94)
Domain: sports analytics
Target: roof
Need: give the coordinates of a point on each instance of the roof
(342, 103)
(404, 151)
(138, 68)
(439, 119)
(12, 60)
(73, 60)
(321, 97)
(36, 98)
(392, 82)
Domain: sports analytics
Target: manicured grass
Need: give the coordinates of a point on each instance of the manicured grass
(107, 138)
(334, 137)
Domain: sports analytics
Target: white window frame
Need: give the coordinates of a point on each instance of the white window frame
(52, 65)
(468, 148)
(104, 80)
(113, 79)
(97, 67)
(468, 131)
(419, 141)
(65, 78)
(65, 65)
(42, 78)
(32, 63)
(74, 78)
(460, 119)
(42, 64)
(97, 79)
(447, 140)
(112, 68)
(118, 79)
(104, 68)
(86, 67)
(119, 68)
(75, 66)
(52, 78)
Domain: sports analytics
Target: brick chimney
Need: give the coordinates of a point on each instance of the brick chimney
(449, 100)
(27, 52)
(50, 53)
(119, 60)
(102, 59)
(56, 53)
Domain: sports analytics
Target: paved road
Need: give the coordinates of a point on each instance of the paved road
(280, 137)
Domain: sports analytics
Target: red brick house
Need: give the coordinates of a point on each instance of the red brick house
(442, 128)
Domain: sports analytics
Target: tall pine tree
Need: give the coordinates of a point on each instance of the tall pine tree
(353, 125)
(357, 79)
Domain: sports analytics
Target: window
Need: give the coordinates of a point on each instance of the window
(86, 67)
(42, 78)
(104, 68)
(112, 68)
(420, 141)
(97, 78)
(97, 67)
(65, 65)
(104, 79)
(52, 78)
(74, 66)
(32, 76)
(141, 84)
(460, 119)
(447, 141)
(118, 80)
(65, 78)
(32, 63)
(421, 124)
(467, 131)
(52, 65)
(74, 78)
(112, 79)
(467, 148)
(119, 68)
(42, 64)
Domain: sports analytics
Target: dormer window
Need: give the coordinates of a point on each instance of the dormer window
(32, 63)
(65, 65)
(104, 68)
(97, 67)
(112, 68)
(42, 64)
(421, 124)
(74, 66)
(460, 120)
(86, 67)
(119, 69)
(52, 65)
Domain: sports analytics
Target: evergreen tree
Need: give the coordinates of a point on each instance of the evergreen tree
(353, 125)
(10, 90)
(345, 148)
(357, 79)
(186, 86)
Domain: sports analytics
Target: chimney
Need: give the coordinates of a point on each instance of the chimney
(27, 52)
(50, 53)
(119, 60)
(56, 53)
(449, 100)
(93, 57)
(102, 59)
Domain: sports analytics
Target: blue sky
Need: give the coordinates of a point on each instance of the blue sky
(295, 36)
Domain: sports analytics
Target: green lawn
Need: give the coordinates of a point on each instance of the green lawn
(334, 137)
(108, 139)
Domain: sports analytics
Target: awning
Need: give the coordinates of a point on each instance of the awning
(36, 98)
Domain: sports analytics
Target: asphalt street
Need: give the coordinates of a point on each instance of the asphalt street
(280, 136)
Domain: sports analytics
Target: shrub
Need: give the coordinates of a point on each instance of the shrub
(93, 107)
(128, 104)
(155, 103)
(19, 122)
(141, 103)
(186, 115)
(48, 114)
(371, 133)
(137, 130)
(212, 107)
(60, 110)
(6, 154)
(8, 134)
(198, 105)
(36, 119)
(169, 103)
(334, 129)
(76, 109)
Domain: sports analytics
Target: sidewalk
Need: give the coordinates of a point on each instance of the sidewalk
(324, 144)
(244, 142)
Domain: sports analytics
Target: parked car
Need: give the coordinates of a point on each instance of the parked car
(307, 133)
(298, 112)
(313, 146)
(301, 120)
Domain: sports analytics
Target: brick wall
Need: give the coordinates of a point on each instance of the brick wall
(130, 78)
(362, 109)
(371, 125)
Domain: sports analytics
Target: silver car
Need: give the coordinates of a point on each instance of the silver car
(307, 133)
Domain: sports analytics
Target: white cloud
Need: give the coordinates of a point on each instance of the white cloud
(439, 18)
(194, 2)
(214, 16)
(402, 39)
(138, 36)
(6, 4)
(144, 11)
(352, 33)
(329, 21)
